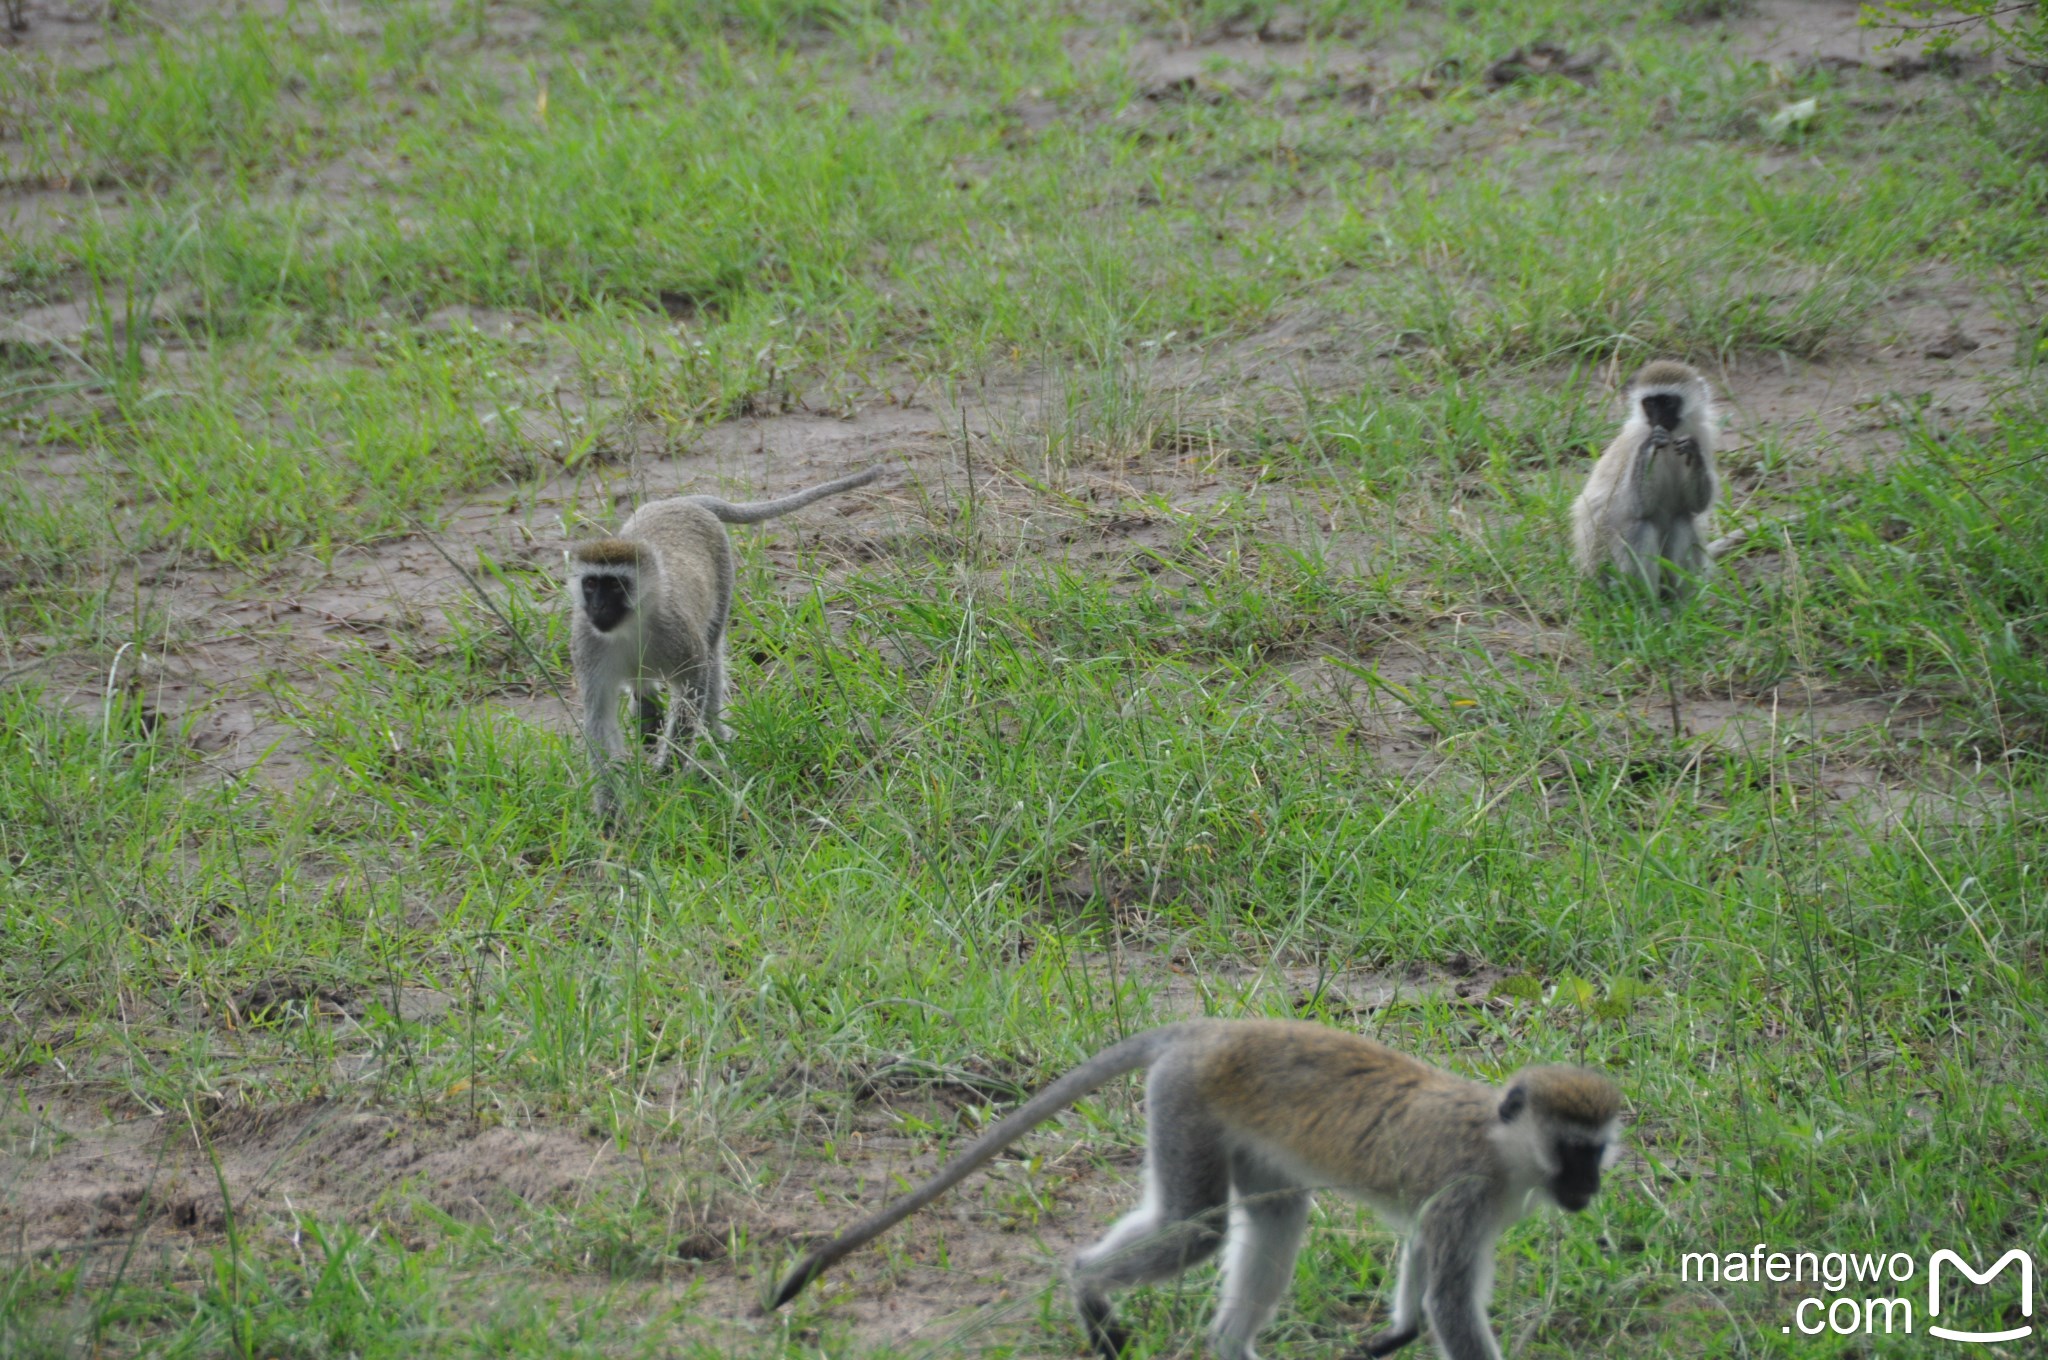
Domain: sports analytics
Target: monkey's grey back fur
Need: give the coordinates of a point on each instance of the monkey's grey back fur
(681, 615)
(682, 620)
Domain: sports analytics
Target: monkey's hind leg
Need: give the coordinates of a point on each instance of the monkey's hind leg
(713, 710)
(676, 715)
(1411, 1279)
(693, 714)
(1686, 561)
(1641, 557)
(1178, 1225)
(650, 707)
(1268, 1217)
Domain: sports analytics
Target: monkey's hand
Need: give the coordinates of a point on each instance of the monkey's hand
(1689, 450)
(1657, 439)
(1109, 1340)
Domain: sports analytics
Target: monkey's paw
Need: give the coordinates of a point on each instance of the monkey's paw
(1385, 1343)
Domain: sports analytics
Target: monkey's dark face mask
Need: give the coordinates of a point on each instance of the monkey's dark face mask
(607, 600)
(1578, 1174)
(1662, 410)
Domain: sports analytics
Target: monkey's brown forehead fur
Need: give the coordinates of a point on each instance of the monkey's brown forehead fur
(608, 552)
(1572, 1094)
(1665, 373)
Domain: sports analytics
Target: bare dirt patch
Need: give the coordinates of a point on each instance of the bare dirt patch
(77, 1181)
(1226, 66)
(1941, 345)
(1878, 758)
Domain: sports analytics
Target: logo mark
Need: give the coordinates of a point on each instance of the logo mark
(2026, 1264)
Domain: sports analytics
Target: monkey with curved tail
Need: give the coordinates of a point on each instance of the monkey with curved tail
(1246, 1117)
(650, 608)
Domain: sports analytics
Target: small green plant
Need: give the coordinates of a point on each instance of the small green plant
(2014, 29)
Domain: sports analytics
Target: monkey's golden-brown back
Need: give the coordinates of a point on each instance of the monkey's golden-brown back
(1285, 1081)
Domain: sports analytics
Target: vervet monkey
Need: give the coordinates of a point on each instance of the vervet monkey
(649, 613)
(1643, 510)
(1247, 1117)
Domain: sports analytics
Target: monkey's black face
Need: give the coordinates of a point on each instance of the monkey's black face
(606, 601)
(1663, 409)
(1578, 1173)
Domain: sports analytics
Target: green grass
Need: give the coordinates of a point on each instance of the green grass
(991, 802)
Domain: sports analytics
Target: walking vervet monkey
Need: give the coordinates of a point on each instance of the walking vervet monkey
(1643, 511)
(649, 614)
(1247, 1117)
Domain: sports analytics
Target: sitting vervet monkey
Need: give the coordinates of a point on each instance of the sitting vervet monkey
(1247, 1117)
(649, 614)
(1644, 508)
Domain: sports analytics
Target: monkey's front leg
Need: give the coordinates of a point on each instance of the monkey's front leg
(602, 735)
(677, 724)
(1456, 1244)
(1406, 1324)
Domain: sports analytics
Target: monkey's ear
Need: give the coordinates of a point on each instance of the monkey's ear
(1513, 1103)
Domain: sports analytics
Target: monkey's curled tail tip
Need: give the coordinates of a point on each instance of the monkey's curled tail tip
(792, 1284)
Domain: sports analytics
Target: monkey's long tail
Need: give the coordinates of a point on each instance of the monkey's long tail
(753, 512)
(1140, 1050)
